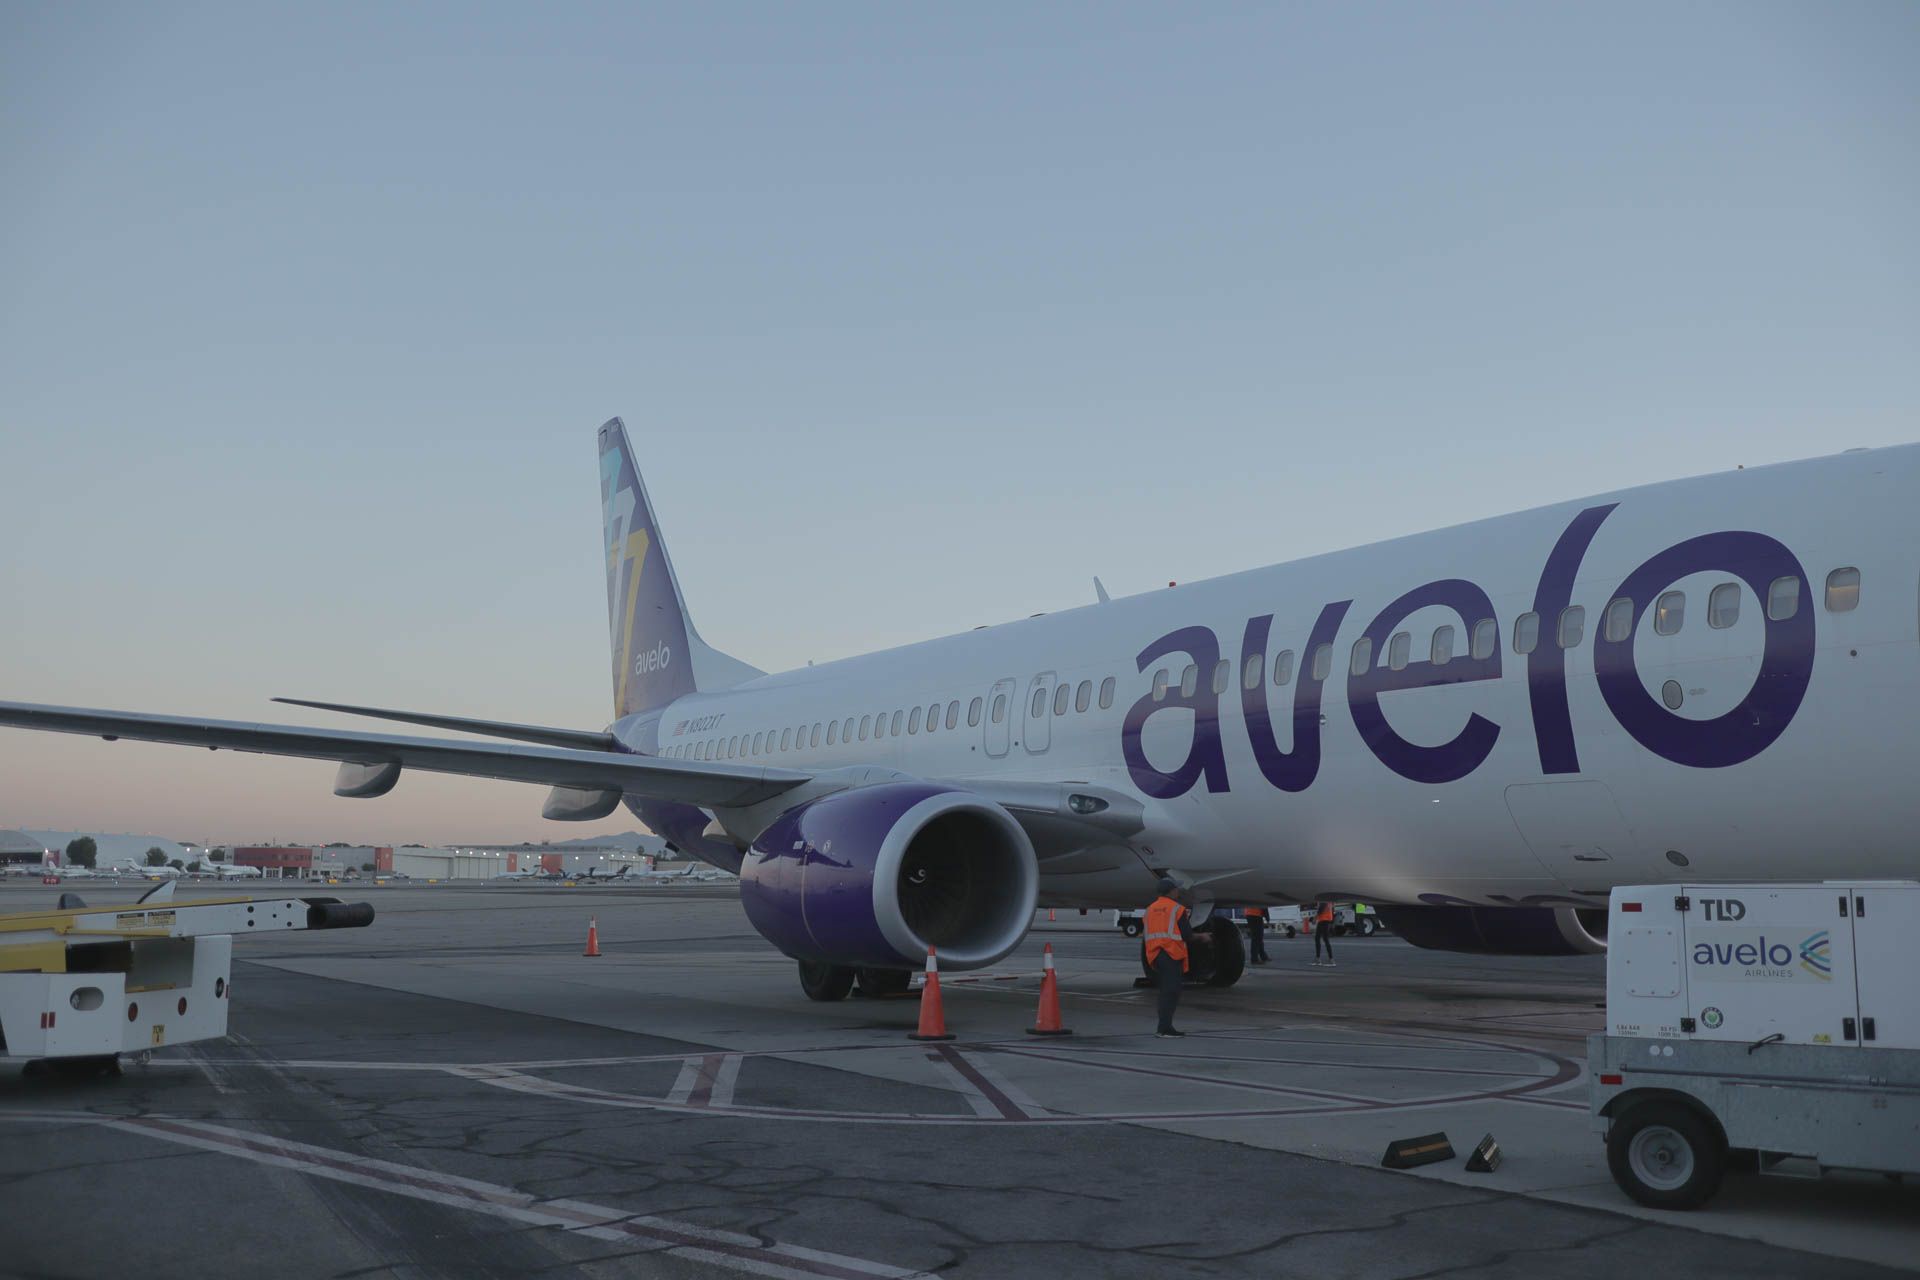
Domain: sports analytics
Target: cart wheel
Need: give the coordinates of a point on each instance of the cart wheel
(1665, 1156)
(1133, 928)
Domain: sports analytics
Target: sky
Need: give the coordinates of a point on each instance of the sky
(920, 317)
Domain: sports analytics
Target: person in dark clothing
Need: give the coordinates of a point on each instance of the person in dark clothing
(1256, 935)
(1169, 941)
(1323, 933)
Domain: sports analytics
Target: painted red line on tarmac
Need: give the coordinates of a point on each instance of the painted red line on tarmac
(702, 1094)
(1006, 1106)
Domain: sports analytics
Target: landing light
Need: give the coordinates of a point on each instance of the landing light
(1084, 805)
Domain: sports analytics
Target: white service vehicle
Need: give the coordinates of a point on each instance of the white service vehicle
(82, 985)
(1774, 1026)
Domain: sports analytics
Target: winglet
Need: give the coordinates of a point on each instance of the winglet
(1100, 590)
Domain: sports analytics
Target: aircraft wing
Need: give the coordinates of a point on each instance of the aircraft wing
(702, 783)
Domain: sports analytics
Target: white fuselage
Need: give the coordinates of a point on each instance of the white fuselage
(1504, 777)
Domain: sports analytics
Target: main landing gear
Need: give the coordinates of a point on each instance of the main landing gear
(822, 981)
(1218, 957)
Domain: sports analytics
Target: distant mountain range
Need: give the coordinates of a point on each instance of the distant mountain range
(633, 840)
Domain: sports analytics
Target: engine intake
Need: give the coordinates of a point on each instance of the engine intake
(1502, 931)
(877, 875)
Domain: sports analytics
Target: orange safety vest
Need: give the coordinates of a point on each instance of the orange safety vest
(1255, 913)
(1326, 913)
(1163, 931)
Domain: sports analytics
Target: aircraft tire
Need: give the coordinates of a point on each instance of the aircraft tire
(825, 982)
(1229, 953)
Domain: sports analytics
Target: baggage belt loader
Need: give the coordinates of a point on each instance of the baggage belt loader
(80, 985)
(1766, 1027)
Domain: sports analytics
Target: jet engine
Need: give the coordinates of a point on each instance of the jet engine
(1504, 931)
(871, 878)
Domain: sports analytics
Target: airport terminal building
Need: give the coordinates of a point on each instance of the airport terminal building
(416, 862)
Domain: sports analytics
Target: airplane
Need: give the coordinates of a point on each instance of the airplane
(1479, 730)
(162, 872)
(226, 870)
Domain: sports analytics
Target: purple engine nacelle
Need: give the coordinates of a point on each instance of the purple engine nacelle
(1501, 931)
(877, 875)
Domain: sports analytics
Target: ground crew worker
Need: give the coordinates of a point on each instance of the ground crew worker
(1256, 935)
(1168, 936)
(1323, 933)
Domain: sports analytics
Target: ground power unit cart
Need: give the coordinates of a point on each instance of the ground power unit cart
(1764, 1027)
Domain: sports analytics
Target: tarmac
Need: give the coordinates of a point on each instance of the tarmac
(457, 1091)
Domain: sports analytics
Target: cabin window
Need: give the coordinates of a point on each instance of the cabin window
(913, 721)
(1362, 660)
(894, 730)
(1669, 612)
(1843, 590)
(1190, 680)
(833, 732)
(953, 713)
(1062, 694)
(1617, 621)
(1106, 693)
(846, 731)
(756, 743)
(1322, 662)
(1222, 673)
(1000, 708)
(1573, 626)
(880, 725)
(733, 747)
(1039, 707)
(1442, 651)
(973, 713)
(1283, 666)
(814, 740)
(1399, 649)
(1723, 606)
(864, 722)
(1160, 685)
(933, 717)
(1253, 671)
(1783, 598)
(786, 739)
(1486, 638)
(1526, 633)
(1083, 696)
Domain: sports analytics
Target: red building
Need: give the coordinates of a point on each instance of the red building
(269, 858)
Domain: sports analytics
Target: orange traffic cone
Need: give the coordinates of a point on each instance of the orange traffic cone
(933, 1017)
(593, 936)
(1047, 1022)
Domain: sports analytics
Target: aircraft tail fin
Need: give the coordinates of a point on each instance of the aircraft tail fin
(658, 655)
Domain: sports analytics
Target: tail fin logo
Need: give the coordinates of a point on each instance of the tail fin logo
(658, 657)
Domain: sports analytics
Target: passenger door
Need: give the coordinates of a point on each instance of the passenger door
(1038, 710)
(998, 721)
